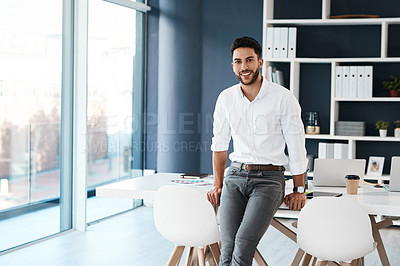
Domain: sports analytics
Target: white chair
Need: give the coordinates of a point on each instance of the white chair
(185, 217)
(335, 229)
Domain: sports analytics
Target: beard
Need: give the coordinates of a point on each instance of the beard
(255, 76)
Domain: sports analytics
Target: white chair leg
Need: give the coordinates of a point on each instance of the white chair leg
(202, 259)
(175, 256)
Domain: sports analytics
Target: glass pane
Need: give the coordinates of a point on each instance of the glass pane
(115, 76)
(30, 100)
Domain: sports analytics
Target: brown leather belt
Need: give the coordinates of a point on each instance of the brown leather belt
(258, 167)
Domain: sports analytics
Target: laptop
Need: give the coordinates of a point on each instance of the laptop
(311, 195)
(394, 184)
(332, 172)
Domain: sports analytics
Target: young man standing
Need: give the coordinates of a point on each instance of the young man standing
(262, 118)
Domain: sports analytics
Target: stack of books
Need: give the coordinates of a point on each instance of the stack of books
(354, 81)
(350, 128)
(281, 42)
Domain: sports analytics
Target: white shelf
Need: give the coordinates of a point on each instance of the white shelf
(359, 138)
(334, 22)
(326, 136)
(337, 60)
(374, 99)
(295, 65)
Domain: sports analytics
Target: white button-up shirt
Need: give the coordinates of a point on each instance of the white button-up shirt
(260, 129)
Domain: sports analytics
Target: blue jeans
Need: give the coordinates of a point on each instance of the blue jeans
(249, 201)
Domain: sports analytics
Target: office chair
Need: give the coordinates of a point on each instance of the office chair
(185, 217)
(335, 229)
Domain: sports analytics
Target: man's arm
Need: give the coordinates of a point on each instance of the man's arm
(219, 163)
(296, 200)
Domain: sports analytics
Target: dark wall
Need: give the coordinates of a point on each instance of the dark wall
(151, 91)
(222, 22)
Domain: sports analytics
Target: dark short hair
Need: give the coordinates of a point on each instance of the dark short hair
(246, 42)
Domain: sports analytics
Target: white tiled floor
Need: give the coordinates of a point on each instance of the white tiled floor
(131, 239)
(45, 222)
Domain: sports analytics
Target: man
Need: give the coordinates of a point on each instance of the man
(262, 118)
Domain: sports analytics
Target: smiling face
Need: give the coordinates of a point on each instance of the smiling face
(246, 65)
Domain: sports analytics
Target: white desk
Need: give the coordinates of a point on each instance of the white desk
(144, 187)
(376, 201)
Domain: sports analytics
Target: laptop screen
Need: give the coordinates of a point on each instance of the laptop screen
(332, 172)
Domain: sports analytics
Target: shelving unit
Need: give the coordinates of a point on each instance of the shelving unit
(295, 65)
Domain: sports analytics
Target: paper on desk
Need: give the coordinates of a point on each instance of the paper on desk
(192, 182)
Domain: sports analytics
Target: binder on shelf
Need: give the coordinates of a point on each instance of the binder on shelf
(330, 150)
(360, 82)
(269, 73)
(279, 77)
(292, 36)
(270, 41)
(322, 150)
(326, 150)
(353, 82)
(368, 81)
(284, 42)
(346, 82)
(274, 76)
(276, 43)
(340, 151)
(338, 92)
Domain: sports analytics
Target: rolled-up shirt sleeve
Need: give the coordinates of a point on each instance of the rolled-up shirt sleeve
(221, 128)
(293, 133)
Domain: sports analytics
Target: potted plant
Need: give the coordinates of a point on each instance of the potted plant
(382, 126)
(392, 84)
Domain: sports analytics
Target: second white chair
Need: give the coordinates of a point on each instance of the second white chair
(185, 217)
(335, 229)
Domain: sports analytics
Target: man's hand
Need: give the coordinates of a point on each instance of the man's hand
(295, 201)
(214, 195)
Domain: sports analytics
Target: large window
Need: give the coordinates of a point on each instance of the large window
(42, 46)
(30, 101)
(115, 85)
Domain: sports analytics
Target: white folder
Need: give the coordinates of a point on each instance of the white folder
(270, 41)
(277, 46)
(346, 82)
(330, 149)
(279, 77)
(360, 82)
(284, 42)
(269, 73)
(340, 151)
(353, 81)
(292, 43)
(274, 76)
(339, 72)
(322, 150)
(368, 81)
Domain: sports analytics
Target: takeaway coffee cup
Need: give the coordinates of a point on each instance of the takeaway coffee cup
(352, 182)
